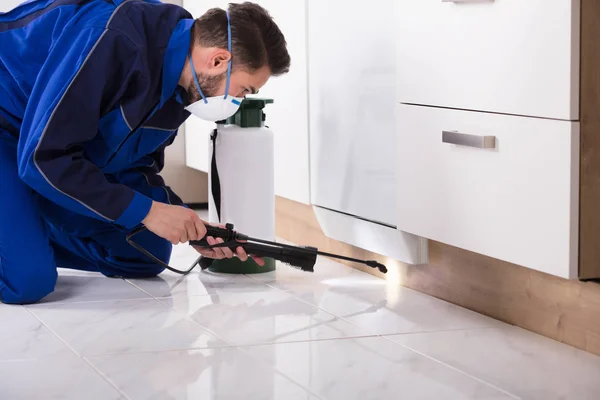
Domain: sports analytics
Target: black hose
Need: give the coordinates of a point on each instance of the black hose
(142, 250)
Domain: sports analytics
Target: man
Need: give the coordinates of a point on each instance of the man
(91, 93)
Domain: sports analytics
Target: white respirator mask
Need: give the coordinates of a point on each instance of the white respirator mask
(215, 108)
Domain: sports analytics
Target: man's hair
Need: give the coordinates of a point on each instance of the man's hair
(256, 40)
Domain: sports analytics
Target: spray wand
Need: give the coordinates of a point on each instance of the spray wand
(303, 258)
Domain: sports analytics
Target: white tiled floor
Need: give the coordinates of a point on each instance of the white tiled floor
(337, 334)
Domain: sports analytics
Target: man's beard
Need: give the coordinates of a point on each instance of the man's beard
(208, 83)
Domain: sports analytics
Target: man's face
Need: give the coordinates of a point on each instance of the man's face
(212, 77)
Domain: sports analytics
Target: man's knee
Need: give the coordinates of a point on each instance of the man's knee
(148, 271)
(28, 289)
(27, 275)
(139, 264)
(161, 249)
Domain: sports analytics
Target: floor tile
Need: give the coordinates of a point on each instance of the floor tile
(371, 368)
(198, 283)
(305, 336)
(75, 286)
(523, 363)
(23, 336)
(256, 318)
(395, 309)
(123, 326)
(221, 374)
(328, 275)
(65, 378)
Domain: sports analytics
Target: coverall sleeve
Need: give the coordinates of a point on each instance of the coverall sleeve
(83, 77)
(153, 173)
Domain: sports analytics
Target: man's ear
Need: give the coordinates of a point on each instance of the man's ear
(219, 60)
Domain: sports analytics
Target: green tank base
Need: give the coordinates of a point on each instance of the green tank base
(236, 266)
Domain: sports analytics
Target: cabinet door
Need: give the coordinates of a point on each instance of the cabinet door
(508, 56)
(287, 117)
(516, 201)
(352, 75)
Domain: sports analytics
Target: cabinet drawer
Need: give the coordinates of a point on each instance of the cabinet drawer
(508, 56)
(516, 201)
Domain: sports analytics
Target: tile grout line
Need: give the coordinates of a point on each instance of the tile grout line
(78, 355)
(424, 332)
(343, 318)
(268, 284)
(172, 295)
(244, 348)
(53, 332)
(140, 289)
(369, 334)
(274, 368)
(62, 303)
(386, 337)
(190, 319)
(106, 378)
(453, 368)
(295, 296)
(232, 347)
(231, 344)
(238, 347)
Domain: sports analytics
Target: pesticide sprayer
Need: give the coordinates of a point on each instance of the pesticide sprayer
(303, 258)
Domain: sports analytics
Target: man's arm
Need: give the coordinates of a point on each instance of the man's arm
(153, 176)
(82, 76)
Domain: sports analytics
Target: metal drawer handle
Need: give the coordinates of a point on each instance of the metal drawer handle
(463, 139)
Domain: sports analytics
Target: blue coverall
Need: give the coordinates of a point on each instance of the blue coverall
(89, 99)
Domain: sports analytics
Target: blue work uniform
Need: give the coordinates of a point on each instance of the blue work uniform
(89, 99)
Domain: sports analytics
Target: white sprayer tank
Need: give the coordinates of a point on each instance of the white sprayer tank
(244, 149)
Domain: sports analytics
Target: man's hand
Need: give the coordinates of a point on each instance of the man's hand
(177, 224)
(225, 252)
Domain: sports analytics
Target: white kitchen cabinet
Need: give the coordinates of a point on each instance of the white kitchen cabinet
(506, 56)
(516, 201)
(287, 117)
(352, 74)
(353, 126)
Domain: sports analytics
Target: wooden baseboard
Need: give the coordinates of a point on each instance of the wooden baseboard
(567, 311)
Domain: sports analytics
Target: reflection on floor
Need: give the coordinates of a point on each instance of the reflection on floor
(337, 334)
